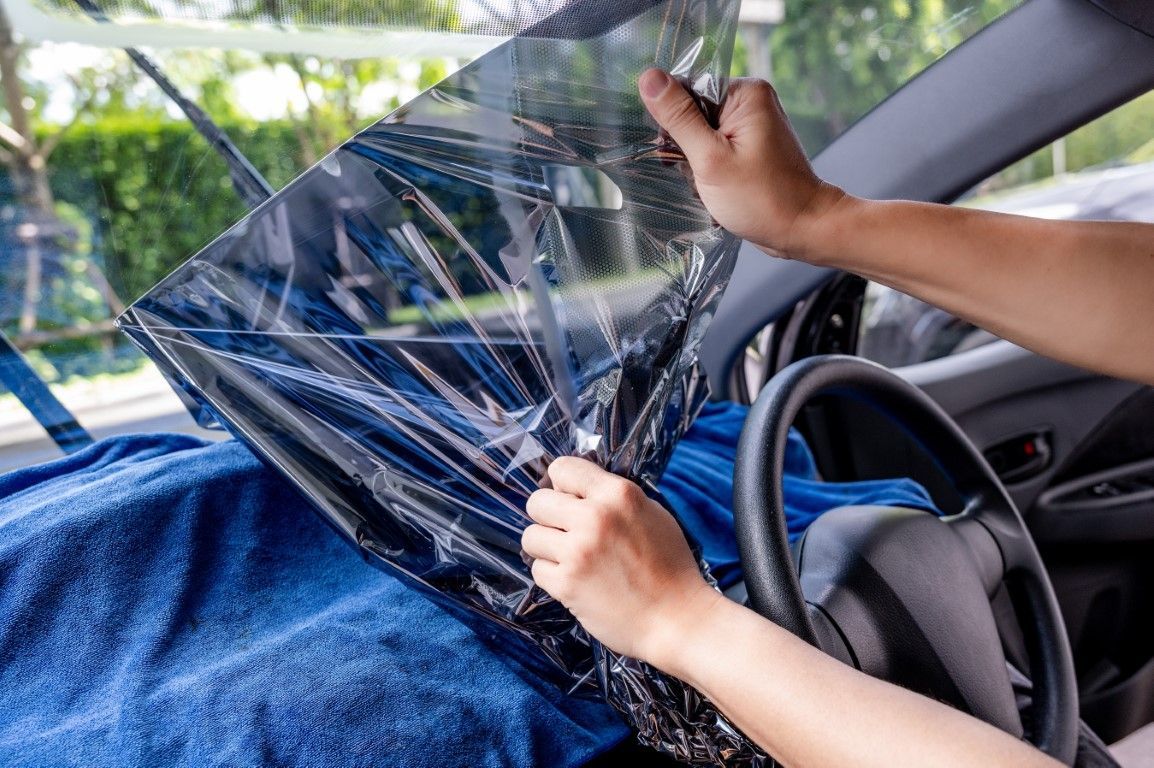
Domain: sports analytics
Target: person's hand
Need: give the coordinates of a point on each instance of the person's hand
(751, 173)
(616, 559)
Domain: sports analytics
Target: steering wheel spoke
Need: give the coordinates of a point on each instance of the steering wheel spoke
(983, 548)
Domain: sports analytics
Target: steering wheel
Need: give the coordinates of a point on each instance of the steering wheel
(899, 593)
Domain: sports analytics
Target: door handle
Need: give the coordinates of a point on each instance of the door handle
(1021, 457)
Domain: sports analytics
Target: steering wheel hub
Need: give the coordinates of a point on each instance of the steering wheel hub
(905, 595)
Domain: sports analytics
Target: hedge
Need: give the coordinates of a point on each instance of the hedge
(156, 192)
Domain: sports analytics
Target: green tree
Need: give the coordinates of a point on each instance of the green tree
(39, 231)
(331, 88)
(833, 60)
(119, 95)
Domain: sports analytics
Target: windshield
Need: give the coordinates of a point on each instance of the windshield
(107, 185)
(832, 61)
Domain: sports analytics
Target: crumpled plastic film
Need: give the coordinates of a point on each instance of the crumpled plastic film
(510, 268)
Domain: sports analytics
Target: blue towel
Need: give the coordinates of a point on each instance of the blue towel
(699, 487)
(169, 602)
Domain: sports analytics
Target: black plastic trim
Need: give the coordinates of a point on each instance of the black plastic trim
(1136, 14)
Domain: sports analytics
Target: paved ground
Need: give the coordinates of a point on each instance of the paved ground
(143, 403)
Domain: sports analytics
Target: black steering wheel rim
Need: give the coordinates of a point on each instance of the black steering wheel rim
(772, 581)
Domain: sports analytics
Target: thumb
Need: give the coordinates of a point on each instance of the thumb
(676, 111)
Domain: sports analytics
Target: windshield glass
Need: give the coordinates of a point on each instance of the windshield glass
(107, 186)
(833, 61)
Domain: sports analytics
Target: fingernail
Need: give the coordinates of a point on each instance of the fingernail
(653, 82)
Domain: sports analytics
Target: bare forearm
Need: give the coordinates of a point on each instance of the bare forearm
(808, 709)
(1075, 291)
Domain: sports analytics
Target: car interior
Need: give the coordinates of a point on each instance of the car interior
(1071, 447)
(986, 426)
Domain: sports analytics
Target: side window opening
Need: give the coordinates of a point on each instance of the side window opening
(1101, 171)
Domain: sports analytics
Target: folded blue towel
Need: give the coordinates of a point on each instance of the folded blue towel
(169, 602)
(698, 485)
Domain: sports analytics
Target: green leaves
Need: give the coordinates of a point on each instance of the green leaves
(834, 60)
(155, 192)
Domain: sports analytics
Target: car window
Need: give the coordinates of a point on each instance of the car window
(1103, 171)
(831, 62)
(106, 186)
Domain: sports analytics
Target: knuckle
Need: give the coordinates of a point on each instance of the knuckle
(560, 586)
(622, 493)
(582, 557)
(681, 110)
(569, 463)
(535, 503)
(549, 580)
(564, 467)
(752, 90)
(599, 528)
(762, 89)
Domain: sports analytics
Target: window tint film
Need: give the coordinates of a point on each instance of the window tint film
(123, 188)
(509, 268)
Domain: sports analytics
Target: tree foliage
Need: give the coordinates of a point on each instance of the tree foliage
(834, 60)
(157, 192)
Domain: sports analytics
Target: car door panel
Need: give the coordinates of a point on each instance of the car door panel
(1090, 509)
(1000, 391)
